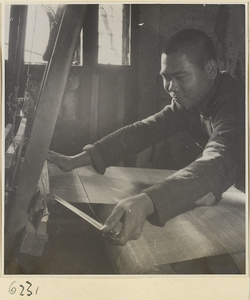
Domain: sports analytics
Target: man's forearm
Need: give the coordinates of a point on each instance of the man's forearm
(80, 160)
(68, 163)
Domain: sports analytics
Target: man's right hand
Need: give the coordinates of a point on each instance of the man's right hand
(68, 163)
(127, 219)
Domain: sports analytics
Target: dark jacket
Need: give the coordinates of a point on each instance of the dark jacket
(217, 125)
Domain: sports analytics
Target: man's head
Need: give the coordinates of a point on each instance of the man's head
(188, 66)
(197, 46)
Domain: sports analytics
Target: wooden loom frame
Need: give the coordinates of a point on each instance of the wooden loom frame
(49, 101)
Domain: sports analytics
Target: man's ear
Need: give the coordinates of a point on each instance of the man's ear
(211, 69)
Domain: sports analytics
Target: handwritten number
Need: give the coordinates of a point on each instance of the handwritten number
(21, 286)
(12, 289)
(28, 290)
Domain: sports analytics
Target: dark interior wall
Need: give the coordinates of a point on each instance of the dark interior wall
(235, 42)
(223, 23)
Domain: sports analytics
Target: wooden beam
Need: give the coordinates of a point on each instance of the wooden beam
(15, 76)
(44, 120)
(93, 128)
(17, 33)
(121, 101)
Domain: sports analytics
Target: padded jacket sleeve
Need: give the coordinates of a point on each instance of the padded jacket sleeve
(134, 138)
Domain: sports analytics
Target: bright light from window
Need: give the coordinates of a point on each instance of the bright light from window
(40, 21)
(37, 34)
(113, 32)
(112, 35)
(6, 30)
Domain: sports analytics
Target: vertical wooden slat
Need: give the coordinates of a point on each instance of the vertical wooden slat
(94, 107)
(17, 33)
(121, 101)
(126, 34)
(15, 64)
(45, 120)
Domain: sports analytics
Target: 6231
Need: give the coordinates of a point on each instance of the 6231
(25, 290)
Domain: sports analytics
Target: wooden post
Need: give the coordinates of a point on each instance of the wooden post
(15, 76)
(44, 121)
(93, 128)
(18, 16)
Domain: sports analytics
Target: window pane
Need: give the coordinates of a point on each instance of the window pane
(37, 34)
(6, 29)
(114, 34)
(41, 20)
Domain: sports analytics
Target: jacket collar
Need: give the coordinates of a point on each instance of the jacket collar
(207, 104)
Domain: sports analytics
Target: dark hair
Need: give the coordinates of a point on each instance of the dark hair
(197, 46)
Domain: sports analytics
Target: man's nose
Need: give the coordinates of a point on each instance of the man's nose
(173, 86)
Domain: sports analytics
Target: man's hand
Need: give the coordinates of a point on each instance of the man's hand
(68, 163)
(127, 219)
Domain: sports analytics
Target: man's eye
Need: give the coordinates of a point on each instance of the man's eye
(181, 77)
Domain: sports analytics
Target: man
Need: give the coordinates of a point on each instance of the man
(205, 102)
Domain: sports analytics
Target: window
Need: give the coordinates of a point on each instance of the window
(6, 30)
(37, 34)
(114, 34)
(42, 25)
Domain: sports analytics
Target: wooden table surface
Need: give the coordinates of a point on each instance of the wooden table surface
(202, 232)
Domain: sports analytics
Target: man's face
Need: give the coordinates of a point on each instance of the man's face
(186, 83)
